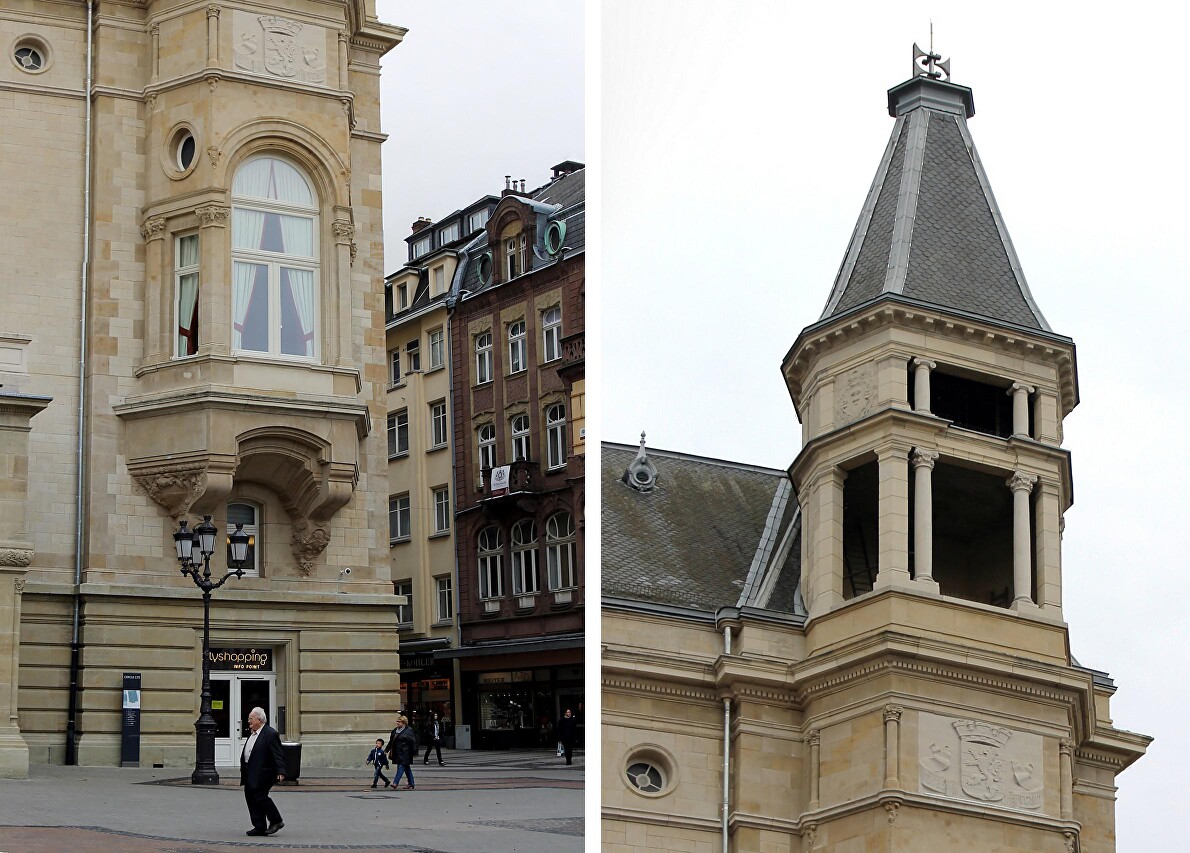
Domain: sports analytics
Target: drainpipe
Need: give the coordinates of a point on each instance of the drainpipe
(726, 741)
(75, 645)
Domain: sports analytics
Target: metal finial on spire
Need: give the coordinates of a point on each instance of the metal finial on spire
(642, 438)
(928, 63)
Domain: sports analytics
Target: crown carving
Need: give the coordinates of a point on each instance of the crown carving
(281, 26)
(982, 732)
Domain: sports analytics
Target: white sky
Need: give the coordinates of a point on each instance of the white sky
(737, 144)
(476, 91)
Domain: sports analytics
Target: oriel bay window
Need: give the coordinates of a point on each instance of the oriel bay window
(559, 550)
(524, 558)
(274, 238)
(186, 287)
(491, 577)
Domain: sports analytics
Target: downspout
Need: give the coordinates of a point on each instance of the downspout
(454, 294)
(726, 740)
(75, 645)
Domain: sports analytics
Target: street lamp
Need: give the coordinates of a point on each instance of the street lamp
(202, 540)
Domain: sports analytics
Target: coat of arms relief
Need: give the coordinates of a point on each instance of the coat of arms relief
(272, 46)
(976, 760)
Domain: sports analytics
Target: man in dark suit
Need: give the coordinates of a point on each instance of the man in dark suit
(261, 764)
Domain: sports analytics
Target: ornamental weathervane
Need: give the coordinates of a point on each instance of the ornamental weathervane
(928, 63)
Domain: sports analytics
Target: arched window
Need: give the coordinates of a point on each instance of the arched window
(491, 578)
(248, 515)
(555, 429)
(559, 550)
(274, 240)
(516, 347)
(520, 437)
(512, 259)
(483, 358)
(551, 334)
(524, 558)
(487, 449)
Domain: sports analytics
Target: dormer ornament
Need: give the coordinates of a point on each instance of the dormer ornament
(641, 473)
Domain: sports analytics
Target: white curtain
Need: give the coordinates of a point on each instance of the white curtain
(252, 179)
(301, 287)
(289, 185)
(247, 228)
(187, 298)
(243, 286)
(298, 234)
(188, 251)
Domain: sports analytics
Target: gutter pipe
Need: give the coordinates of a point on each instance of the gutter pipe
(726, 741)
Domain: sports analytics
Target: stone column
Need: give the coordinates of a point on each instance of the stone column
(814, 738)
(1021, 485)
(214, 280)
(1047, 517)
(338, 343)
(343, 83)
(158, 307)
(923, 516)
(921, 384)
(213, 36)
(16, 553)
(155, 33)
(893, 516)
(892, 745)
(1065, 759)
(1020, 407)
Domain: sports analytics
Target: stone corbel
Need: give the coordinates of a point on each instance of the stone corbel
(16, 555)
(308, 541)
(185, 488)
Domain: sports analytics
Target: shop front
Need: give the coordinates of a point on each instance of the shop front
(241, 679)
(427, 688)
(520, 708)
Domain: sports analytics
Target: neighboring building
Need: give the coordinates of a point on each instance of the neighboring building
(869, 651)
(223, 255)
(420, 470)
(517, 355)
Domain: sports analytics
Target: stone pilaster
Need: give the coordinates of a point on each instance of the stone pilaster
(893, 513)
(892, 745)
(814, 738)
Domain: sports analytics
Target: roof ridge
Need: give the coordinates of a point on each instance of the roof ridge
(692, 457)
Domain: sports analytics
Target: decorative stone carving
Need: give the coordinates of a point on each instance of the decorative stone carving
(922, 458)
(214, 154)
(855, 394)
(18, 586)
(811, 833)
(308, 542)
(212, 83)
(274, 46)
(175, 488)
(814, 737)
(995, 765)
(893, 713)
(151, 102)
(213, 11)
(153, 229)
(641, 475)
(213, 216)
(1071, 841)
(354, 249)
(348, 113)
(1021, 481)
(16, 558)
(892, 808)
(344, 231)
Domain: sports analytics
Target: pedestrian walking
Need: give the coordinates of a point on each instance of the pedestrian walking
(433, 736)
(567, 732)
(377, 757)
(402, 747)
(261, 764)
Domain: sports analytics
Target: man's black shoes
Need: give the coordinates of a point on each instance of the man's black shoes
(273, 828)
(255, 831)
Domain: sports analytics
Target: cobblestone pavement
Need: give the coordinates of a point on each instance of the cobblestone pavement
(516, 802)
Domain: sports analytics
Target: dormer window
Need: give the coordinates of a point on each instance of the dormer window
(402, 297)
(448, 234)
(477, 220)
(421, 247)
(512, 259)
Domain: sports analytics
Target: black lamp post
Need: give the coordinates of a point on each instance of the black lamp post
(186, 541)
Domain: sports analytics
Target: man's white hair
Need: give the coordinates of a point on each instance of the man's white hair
(259, 714)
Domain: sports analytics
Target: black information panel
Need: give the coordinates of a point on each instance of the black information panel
(130, 730)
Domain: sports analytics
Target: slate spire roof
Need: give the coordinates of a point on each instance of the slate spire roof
(930, 229)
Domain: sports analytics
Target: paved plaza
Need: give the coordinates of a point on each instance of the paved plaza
(522, 802)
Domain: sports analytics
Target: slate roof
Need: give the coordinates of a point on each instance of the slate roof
(930, 228)
(711, 534)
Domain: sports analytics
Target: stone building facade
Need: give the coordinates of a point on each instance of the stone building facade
(193, 193)
(517, 321)
(868, 651)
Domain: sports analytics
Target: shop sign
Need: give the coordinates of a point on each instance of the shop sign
(499, 483)
(523, 675)
(417, 661)
(244, 660)
(437, 684)
(495, 678)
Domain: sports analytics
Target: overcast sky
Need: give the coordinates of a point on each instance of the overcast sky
(476, 91)
(738, 143)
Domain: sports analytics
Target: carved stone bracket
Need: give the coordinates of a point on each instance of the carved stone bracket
(1071, 840)
(213, 216)
(308, 542)
(810, 831)
(16, 558)
(892, 713)
(923, 458)
(214, 153)
(344, 231)
(18, 586)
(175, 488)
(153, 229)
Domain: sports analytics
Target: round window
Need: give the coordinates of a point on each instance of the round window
(555, 233)
(650, 770)
(29, 58)
(31, 54)
(185, 151)
(485, 268)
(645, 777)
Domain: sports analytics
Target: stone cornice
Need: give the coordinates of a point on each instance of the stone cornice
(653, 688)
(654, 818)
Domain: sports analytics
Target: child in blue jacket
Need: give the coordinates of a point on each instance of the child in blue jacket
(377, 757)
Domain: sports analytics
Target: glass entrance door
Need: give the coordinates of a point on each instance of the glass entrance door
(232, 698)
(221, 711)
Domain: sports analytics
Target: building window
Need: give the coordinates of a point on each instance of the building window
(559, 550)
(551, 333)
(439, 280)
(421, 247)
(404, 611)
(249, 516)
(516, 347)
(491, 579)
(555, 428)
(398, 518)
(438, 431)
(402, 297)
(398, 433)
(520, 437)
(437, 351)
(413, 356)
(512, 258)
(394, 361)
(524, 254)
(448, 234)
(477, 220)
(28, 58)
(186, 287)
(483, 358)
(487, 449)
(524, 558)
(442, 510)
(274, 239)
(446, 602)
